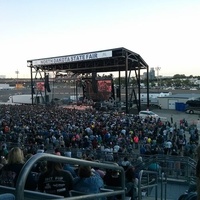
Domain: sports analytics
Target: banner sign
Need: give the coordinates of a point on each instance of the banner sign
(73, 58)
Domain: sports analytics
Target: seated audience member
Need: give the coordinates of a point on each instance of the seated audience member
(97, 169)
(10, 171)
(154, 167)
(68, 167)
(111, 179)
(55, 180)
(88, 181)
(125, 163)
(140, 165)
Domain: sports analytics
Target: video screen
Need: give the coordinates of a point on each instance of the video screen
(100, 90)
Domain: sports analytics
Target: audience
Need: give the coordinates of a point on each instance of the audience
(87, 131)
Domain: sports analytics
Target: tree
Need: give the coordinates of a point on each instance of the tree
(179, 76)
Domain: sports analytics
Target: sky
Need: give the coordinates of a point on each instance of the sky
(166, 33)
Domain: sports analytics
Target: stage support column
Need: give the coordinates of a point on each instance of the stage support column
(126, 84)
(32, 86)
(148, 87)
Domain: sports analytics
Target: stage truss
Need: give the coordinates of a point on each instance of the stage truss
(79, 67)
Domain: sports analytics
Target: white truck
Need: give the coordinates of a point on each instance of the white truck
(22, 99)
(5, 86)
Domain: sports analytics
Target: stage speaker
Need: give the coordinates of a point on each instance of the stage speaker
(118, 92)
(33, 90)
(94, 82)
(47, 98)
(37, 100)
(47, 86)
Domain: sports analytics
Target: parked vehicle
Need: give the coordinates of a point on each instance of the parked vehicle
(25, 99)
(192, 106)
(147, 113)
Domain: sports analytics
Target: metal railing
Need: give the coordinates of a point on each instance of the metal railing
(163, 191)
(50, 157)
(149, 180)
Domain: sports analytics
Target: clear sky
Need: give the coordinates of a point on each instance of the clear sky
(166, 33)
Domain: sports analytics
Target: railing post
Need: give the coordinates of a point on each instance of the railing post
(161, 195)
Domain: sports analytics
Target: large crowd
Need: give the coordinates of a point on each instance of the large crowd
(36, 126)
(36, 129)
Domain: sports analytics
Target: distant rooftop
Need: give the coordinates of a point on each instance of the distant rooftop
(182, 96)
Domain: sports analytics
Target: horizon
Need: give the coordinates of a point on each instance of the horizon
(160, 76)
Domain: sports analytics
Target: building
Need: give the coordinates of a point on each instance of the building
(153, 97)
(152, 75)
(169, 102)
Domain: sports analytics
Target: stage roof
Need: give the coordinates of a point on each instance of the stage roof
(98, 61)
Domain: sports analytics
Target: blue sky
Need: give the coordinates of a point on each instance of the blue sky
(166, 33)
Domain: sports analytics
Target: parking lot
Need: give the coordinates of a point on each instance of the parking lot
(177, 115)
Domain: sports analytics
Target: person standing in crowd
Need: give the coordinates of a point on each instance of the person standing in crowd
(136, 141)
(55, 180)
(172, 119)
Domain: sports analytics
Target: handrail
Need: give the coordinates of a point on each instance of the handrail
(140, 186)
(163, 184)
(50, 157)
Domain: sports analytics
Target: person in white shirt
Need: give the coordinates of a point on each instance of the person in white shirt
(168, 147)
